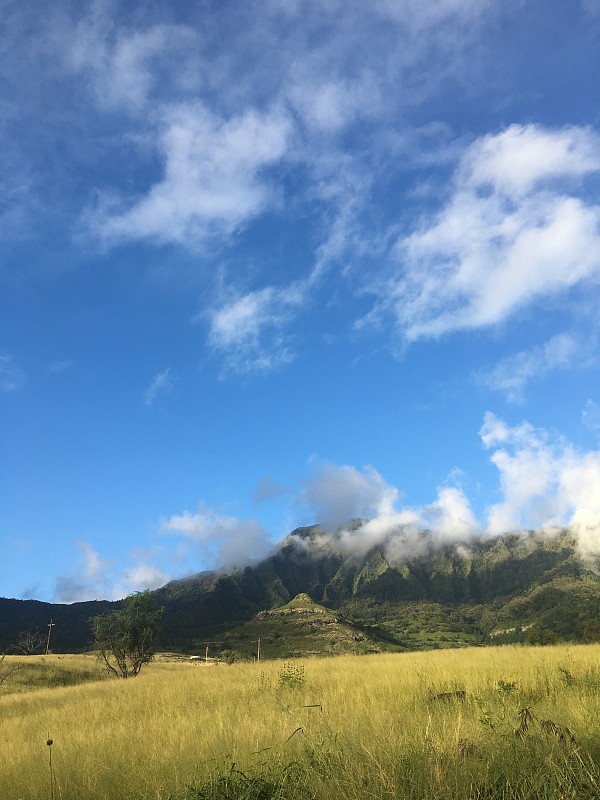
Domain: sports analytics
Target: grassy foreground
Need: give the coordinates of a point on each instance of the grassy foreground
(380, 726)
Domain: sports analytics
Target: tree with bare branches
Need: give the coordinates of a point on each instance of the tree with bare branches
(6, 671)
(30, 641)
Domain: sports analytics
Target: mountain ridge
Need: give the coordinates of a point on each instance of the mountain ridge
(432, 594)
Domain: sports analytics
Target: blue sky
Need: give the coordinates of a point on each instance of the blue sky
(275, 263)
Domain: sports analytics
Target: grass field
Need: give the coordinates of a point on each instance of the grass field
(379, 726)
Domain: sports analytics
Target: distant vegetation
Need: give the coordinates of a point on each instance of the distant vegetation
(28, 673)
(507, 723)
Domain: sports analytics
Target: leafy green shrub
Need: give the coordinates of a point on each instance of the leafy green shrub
(230, 656)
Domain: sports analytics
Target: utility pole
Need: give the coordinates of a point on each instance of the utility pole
(50, 626)
(206, 655)
(258, 650)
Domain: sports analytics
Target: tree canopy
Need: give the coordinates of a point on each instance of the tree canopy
(127, 638)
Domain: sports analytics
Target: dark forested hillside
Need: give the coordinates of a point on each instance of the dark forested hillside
(70, 630)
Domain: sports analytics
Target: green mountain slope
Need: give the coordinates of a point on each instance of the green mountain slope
(299, 628)
(476, 592)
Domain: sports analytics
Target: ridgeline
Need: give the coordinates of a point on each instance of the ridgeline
(312, 597)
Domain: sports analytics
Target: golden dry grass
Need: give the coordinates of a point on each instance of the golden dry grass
(366, 726)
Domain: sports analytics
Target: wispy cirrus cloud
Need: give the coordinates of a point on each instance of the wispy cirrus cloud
(511, 375)
(249, 331)
(11, 377)
(127, 67)
(215, 159)
(162, 383)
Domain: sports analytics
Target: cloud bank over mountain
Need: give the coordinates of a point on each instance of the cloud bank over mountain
(544, 484)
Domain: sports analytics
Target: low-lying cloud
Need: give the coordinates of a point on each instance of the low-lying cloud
(336, 494)
(226, 542)
(94, 578)
(545, 483)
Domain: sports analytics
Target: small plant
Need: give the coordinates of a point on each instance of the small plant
(567, 676)
(550, 728)
(526, 719)
(264, 681)
(50, 742)
(237, 785)
(506, 687)
(291, 676)
(486, 718)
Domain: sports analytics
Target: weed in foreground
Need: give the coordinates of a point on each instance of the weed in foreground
(234, 784)
(291, 676)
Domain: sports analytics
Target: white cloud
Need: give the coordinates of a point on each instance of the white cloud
(162, 383)
(90, 580)
(214, 177)
(545, 482)
(330, 105)
(400, 533)
(249, 329)
(524, 157)
(125, 66)
(512, 374)
(451, 516)
(242, 319)
(513, 231)
(143, 576)
(93, 567)
(94, 577)
(226, 542)
(336, 494)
